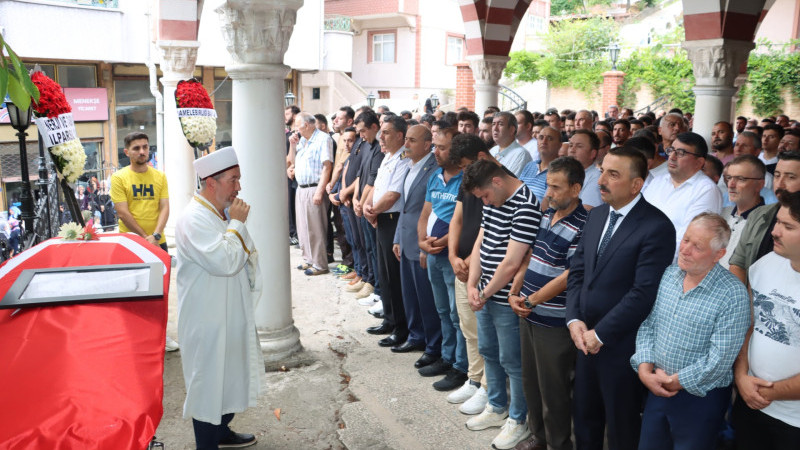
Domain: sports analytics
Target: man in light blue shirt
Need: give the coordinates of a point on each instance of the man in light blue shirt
(507, 151)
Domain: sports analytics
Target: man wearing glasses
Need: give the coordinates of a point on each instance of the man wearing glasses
(744, 180)
(684, 191)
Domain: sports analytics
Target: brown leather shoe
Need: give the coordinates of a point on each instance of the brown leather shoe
(531, 444)
(350, 276)
(355, 280)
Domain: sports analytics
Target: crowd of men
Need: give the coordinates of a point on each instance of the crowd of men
(569, 275)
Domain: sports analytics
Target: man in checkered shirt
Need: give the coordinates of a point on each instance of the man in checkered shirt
(686, 347)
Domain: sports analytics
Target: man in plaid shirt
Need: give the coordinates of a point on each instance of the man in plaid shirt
(686, 347)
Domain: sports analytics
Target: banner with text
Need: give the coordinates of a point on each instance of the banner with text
(57, 130)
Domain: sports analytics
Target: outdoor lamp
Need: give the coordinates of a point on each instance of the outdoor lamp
(371, 99)
(20, 119)
(613, 51)
(434, 101)
(289, 98)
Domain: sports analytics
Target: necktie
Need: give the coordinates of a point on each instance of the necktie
(609, 232)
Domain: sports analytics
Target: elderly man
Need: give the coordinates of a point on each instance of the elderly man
(218, 286)
(744, 179)
(583, 146)
(311, 156)
(583, 120)
(671, 125)
(538, 296)
(766, 414)
(510, 222)
(685, 191)
(686, 347)
(510, 154)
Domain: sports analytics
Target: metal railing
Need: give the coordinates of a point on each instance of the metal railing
(514, 100)
(657, 104)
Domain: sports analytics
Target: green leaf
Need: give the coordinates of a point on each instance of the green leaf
(3, 84)
(24, 76)
(18, 95)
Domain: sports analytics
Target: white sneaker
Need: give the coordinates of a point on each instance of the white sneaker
(463, 393)
(511, 434)
(369, 301)
(476, 403)
(487, 419)
(172, 345)
(377, 308)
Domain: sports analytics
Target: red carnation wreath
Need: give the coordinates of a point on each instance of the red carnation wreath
(196, 113)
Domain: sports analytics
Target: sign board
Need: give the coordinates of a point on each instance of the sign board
(88, 105)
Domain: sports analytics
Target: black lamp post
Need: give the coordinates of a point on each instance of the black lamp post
(434, 101)
(613, 51)
(20, 121)
(371, 100)
(289, 99)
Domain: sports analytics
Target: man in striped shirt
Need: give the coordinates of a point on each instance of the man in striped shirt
(538, 296)
(510, 222)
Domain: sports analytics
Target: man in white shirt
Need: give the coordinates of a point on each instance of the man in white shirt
(525, 136)
(766, 414)
(583, 146)
(684, 191)
(510, 154)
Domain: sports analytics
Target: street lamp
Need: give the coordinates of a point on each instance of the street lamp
(371, 99)
(613, 51)
(20, 121)
(289, 98)
(434, 101)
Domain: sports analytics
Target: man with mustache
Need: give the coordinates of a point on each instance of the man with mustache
(756, 240)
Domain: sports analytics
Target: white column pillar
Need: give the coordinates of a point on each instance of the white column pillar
(257, 34)
(177, 63)
(487, 71)
(716, 64)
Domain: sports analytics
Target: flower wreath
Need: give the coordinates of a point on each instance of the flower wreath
(53, 116)
(196, 113)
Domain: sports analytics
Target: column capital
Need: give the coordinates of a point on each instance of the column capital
(716, 62)
(258, 32)
(257, 71)
(487, 69)
(177, 59)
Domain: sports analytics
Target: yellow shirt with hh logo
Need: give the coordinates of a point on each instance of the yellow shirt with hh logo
(142, 192)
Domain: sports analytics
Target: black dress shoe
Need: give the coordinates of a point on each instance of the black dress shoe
(407, 346)
(437, 368)
(391, 341)
(453, 380)
(378, 315)
(237, 440)
(380, 329)
(425, 360)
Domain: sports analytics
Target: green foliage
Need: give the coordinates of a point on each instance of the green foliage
(770, 69)
(575, 56)
(560, 7)
(14, 79)
(667, 71)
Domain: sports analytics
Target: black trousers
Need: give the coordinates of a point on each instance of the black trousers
(757, 430)
(292, 193)
(208, 436)
(389, 275)
(341, 237)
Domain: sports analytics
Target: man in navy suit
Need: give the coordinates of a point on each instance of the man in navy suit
(424, 329)
(613, 281)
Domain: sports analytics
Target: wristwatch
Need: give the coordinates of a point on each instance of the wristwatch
(157, 236)
(482, 295)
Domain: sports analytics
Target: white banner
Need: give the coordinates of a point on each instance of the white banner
(196, 112)
(57, 130)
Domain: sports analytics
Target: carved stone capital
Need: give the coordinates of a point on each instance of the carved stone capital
(258, 32)
(257, 71)
(716, 62)
(487, 69)
(178, 58)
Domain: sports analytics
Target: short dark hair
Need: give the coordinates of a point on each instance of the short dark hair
(295, 109)
(451, 117)
(624, 122)
(601, 123)
(792, 203)
(695, 140)
(676, 111)
(480, 173)
(642, 144)
(466, 145)
(369, 119)
(594, 141)
(443, 124)
(776, 128)
(647, 120)
(569, 166)
(428, 118)
(755, 137)
(752, 160)
(348, 111)
(633, 122)
(321, 118)
(716, 164)
(487, 120)
(541, 123)
(636, 158)
(792, 132)
(349, 129)
(792, 155)
(605, 138)
(135, 136)
(527, 115)
(469, 115)
(398, 123)
(742, 118)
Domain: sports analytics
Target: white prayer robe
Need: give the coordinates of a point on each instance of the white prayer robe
(218, 287)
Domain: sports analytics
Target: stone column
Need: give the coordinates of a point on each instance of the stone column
(487, 71)
(177, 63)
(716, 64)
(257, 35)
(611, 83)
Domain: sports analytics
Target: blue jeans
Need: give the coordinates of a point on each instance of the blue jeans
(499, 344)
(352, 238)
(454, 347)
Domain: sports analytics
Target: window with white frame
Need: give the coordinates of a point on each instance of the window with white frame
(455, 50)
(383, 47)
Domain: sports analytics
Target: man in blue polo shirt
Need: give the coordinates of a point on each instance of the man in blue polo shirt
(432, 230)
(538, 297)
(534, 175)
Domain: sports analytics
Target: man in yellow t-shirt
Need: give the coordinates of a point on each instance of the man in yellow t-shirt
(140, 193)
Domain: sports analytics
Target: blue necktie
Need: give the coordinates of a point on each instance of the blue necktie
(609, 232)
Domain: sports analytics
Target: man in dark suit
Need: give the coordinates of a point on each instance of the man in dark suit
(424, 328)
(613, 281)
